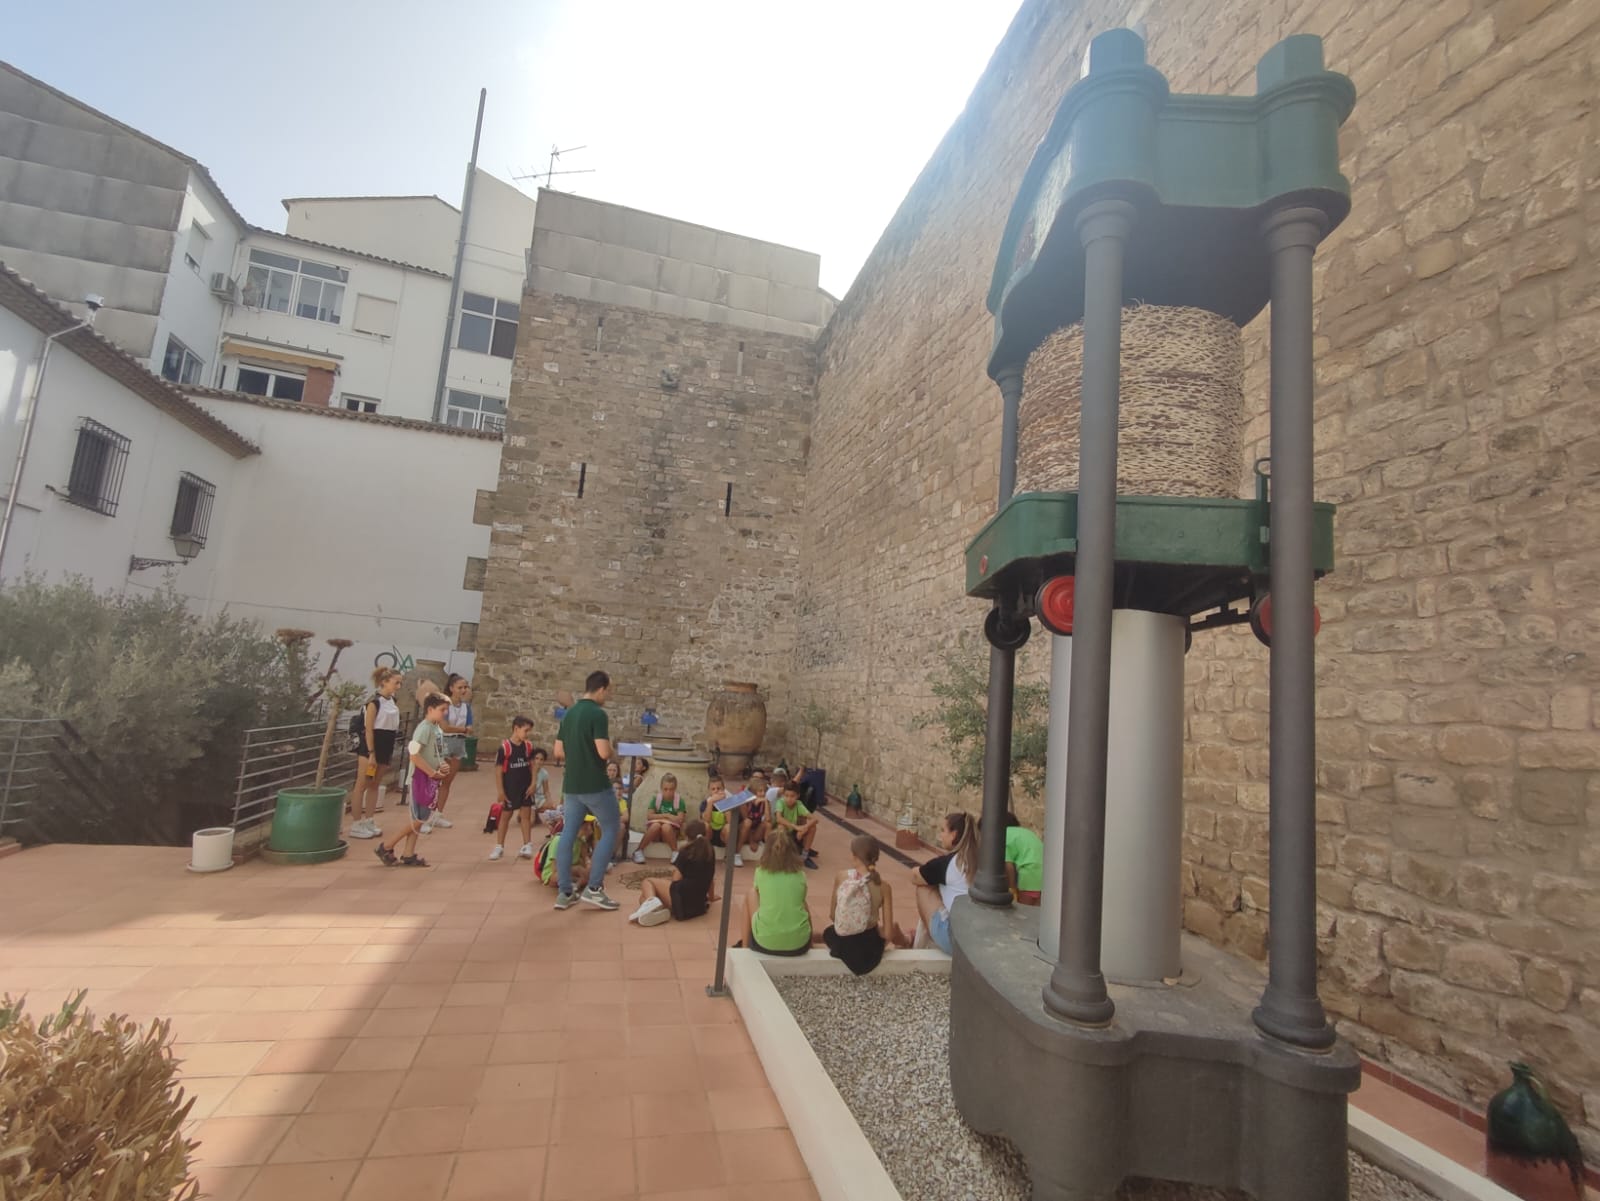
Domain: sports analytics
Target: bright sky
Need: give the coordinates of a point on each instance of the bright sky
(801, 123)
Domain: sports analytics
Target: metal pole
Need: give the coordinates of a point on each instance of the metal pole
(990, 888)
(1077, 989)
(27, 432)
(461, 253)
(1290, 1009)
(719, 986)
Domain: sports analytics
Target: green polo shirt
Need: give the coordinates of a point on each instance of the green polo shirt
(585, 771)
(1026, 849)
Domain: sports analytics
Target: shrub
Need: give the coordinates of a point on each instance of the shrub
(90, 1111)
(960, 685)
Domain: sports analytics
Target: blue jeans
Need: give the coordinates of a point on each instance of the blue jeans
(575, 806)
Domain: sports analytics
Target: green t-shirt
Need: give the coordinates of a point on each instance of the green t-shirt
(1026, 849)
(665, 808)
(782, 922)
(586, 771)
(795, 814)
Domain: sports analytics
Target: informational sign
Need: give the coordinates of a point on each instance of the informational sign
(735, 801)
(637, 750)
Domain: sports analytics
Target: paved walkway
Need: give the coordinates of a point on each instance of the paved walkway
(355, 1032)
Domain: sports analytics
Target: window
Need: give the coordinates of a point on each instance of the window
(191, 515)
(194, 252)
(280, 386)
(97, 467)
(469, 411)
(488, 326)
(374, 315)
(180, 364)
(360, 404)
(289, 285)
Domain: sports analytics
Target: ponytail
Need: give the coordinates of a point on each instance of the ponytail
(865, 849)
(965, 828)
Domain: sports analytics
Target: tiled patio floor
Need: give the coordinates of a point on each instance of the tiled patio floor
(352, 1031)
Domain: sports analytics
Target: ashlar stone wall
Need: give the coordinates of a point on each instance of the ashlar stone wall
(1458, 427)
(645, 574)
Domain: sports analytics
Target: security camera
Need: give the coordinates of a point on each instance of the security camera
(95, 302)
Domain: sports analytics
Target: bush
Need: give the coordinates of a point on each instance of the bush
(90, 1112)
(961, 688)
(161, 697)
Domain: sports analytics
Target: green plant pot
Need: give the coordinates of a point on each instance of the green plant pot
(305, 826)
(469, 761)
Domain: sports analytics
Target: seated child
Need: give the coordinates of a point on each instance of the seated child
(544, 863)
(663, 817)
(756, 824)
(693, 887)
(776, 919)
(862, 917)
(716, 823)
(801, 823)
(940, 881)
(1024, 861)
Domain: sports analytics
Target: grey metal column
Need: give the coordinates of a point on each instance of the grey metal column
(1077, 989)
(990, 888)
(1290, 1009)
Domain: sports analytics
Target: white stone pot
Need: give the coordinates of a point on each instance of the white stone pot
(212, 849)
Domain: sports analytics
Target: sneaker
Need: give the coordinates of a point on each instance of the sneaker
(526, 852)
(811, 865)
(496, 854)
(656, 916)
(442, 821)
(638, 856)
(596, 897)
(738, 859)
(649, 906)
(566, 900)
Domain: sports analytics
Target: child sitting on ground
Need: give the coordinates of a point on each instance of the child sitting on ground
(776, 919)
(862, 917)
(663, 817)
(544, 863)
(428, 766)
(693, 887)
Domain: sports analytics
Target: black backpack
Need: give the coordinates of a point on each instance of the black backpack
(358, 726)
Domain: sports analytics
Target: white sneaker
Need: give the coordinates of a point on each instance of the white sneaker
(497, 853)
(442, 822)
(657, 916)
(638, 856)
(738, 859)
(427, 828)
(645, 910)
(526, 852)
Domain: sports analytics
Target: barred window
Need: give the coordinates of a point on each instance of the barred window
(191, 515)
(97, 467)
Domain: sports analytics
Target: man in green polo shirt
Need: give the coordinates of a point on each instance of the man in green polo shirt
(583, 744)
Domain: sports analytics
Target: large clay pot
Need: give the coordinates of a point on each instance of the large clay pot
(736, 721)
(689, 765)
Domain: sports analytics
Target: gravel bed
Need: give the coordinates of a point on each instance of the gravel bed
(899, 1091)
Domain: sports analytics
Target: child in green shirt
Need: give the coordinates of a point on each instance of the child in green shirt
(663, 817)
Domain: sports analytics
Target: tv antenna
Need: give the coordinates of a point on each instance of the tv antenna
(550, 169)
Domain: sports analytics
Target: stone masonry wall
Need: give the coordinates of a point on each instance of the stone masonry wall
(644, 575)
(1459, 359)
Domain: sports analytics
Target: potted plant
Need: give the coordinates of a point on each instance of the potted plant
(306, 818)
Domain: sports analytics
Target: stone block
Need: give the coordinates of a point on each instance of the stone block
(1483, 966)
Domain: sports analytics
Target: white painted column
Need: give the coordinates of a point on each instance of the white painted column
(1144, 798)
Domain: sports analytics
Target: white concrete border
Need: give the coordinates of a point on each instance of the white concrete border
(843, 1165)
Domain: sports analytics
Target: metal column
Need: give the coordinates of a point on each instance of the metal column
(989, 888)
(1077, 989)
(1290, 1009)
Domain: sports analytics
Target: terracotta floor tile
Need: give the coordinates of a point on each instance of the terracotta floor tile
(355, 1090)
(439, 1086)
(396, 1021)
(300, 997)
(719, 1193)
(492, 1127)
(774, 1190)
(376, 1054)
(302, 1181)
(224, 1184)
(746, 1109)
(597, 969)
(591, 1077)
(702, 1010)
(649, 969)
(724, 1039)
(227, 1142)
(674, 1113)
(527, 1046)
(414, 996)
(664, 1165)
(378, 953)
(640, 992)
(501, 1175)
(593, 950)
(220, 1059)
(485, 992)
(411, 1177)
(515, 1083)
(754, 1156)
(347, 996)
(329, 1136)
(545, 993)
(594, 992)
(467, 1019)
(332, 1023)
(576, 1122)
(453, 1050)
(422, 1131)
(252, 1027)
(581, 1171)
(279, 1093)
(304, 1055)
(208, 1000)
(675, 1039)
(489, 970)
(732, 1071)
(591, 1017)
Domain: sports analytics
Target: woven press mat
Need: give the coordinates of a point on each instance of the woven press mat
(1182, 405)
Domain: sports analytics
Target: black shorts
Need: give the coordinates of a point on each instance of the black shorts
(385, 750)
(719, 838)
(687, 903)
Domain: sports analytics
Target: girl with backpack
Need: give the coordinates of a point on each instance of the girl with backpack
(372, 737)
(663, 817)
(861, 921)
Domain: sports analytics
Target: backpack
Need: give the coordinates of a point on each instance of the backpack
(358, 726)
(853, 910)
(493, 823)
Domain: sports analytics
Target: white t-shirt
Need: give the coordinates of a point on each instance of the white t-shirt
(773, 794)
(388, 715)
(955, 883)
(458, 714)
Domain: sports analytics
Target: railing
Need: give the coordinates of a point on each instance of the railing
(276, 757)
(52, 783)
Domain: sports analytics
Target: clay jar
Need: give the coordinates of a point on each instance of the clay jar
(736, 721)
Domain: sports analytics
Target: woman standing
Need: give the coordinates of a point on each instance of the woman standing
(380, 722)
(457, 727)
